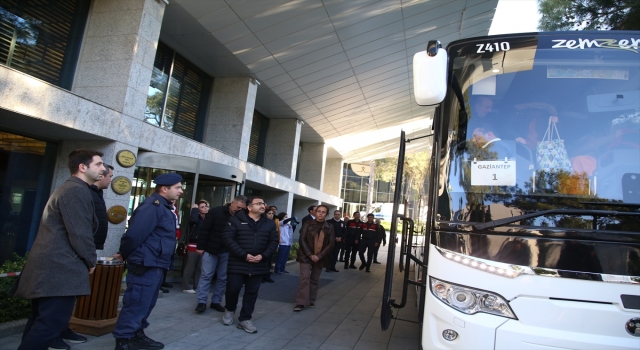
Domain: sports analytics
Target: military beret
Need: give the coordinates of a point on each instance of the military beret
(168, 179)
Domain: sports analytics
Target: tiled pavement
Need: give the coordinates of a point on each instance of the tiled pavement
(347, 316)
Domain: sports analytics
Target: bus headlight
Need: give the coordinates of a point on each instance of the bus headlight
(470, 300)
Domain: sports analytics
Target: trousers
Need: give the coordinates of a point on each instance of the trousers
(138, 301)
(350, 251)
(251, 283)
(334, 255)
(369, 245)
(283, 257)
(49, 317)
(210, 265)
(308, 285)
(191, 272)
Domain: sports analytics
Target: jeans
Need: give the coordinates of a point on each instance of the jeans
(251, 283)
(191, 273)
(49, 317)
(210, 265)
(308, 285)
(138, 302)
(283, 257)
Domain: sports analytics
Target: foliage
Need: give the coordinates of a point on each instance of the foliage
(589, 15)
(12, 308)
(293, 253)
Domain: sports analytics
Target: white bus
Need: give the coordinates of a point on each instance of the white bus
(533, 232)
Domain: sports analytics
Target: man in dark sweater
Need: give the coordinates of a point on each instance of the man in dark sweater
(214, 254)
(382, 239)
(340, 230)
(251, 239)
(101, 208)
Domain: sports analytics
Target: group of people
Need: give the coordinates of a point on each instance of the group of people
(236, 242)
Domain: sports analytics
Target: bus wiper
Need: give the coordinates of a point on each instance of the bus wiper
(506, 221)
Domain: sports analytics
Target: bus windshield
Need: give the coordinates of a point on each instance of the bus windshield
(552, 122)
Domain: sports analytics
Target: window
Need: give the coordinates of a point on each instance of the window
(258, 138)
(42, 38)
(178, 104)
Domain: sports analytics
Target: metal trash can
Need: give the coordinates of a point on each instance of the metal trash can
(96, 314)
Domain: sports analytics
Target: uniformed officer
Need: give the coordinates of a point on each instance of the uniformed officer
(340, 230)
(147, 246)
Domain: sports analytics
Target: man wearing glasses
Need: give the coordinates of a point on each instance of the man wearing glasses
(251, 239)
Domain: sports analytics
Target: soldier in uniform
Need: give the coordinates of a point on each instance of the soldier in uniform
(354, 230)
(147, 246)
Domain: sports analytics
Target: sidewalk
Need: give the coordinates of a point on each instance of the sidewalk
(347, 316)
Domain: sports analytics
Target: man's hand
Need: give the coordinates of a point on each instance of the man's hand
(194, 206)
(118, 257)
(91, 269)
(257, 258)
(315, 258)
(200, 252)
(250, 258)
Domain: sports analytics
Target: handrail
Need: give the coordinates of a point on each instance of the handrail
(409, 257)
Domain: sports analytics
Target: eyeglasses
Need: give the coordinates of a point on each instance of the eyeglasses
(260, 203)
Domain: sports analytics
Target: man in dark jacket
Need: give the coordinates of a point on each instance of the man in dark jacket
(62, 256)
(368, 242)
(382, 239)
(316, 243)
(101, 208)
(214, 254)
(340, 230)
(354, 230)
(311, 216)
(147, 246)
(251, 239)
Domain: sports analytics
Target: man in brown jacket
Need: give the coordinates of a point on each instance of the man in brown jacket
(63, 254)
(316, 243)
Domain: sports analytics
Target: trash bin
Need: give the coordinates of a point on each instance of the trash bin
(96, 314)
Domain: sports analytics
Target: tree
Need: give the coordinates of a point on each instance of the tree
(589, 15)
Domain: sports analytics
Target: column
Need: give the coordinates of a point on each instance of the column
(281, 146)
(282, 200)
(110, 149)
(228, 127)
(333, 176)
(117, 56)
(312, 164)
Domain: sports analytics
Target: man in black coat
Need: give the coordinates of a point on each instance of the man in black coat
(381, 239)
(340, 230)
(214, 255)
(311, 216)
(251, 239)
(354, 231)
(101, 208)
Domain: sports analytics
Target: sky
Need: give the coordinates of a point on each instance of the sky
(515, 16)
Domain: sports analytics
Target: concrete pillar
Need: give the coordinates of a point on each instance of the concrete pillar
(312, 164)
(333, 176)
(282, 200)
(282, 143)
(110, 149)
(117, 56)
(230, 118)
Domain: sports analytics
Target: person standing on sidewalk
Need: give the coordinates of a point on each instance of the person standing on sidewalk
(368, 242)
(97, 193)
(192, 263)
(381, 239)
(251, 239)
(340, 230)
(286, 238)
(271, 215)
(215, 255)
(316, 243)
(354, 230)
(62, 257)
(147, 246)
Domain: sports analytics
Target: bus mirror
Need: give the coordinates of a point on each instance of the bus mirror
(430, 74)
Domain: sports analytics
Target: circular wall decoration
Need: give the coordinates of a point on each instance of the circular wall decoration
(116, 214)
(121, 185)
(126, 158)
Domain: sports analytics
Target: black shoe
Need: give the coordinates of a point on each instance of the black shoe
(368, 270)
(58, 344)
(341, 260)
(268, 280)
(352, 266)
(312, 306)
(167, 285)
(334, 270)
(123, 344)
(143, 342)
(201, 307)
(377, 262)
(216, 307)
(72, 337)
(362, 266)
(346, 266)
(164, 290)
(328, 270)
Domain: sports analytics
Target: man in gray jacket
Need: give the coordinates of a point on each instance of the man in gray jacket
(63, 254)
